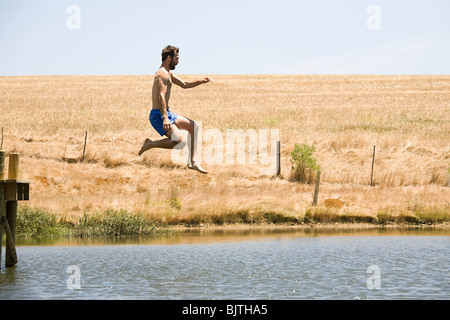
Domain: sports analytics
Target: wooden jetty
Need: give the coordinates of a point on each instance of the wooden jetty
(12, 190)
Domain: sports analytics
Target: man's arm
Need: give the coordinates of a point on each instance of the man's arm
(162, 81)
(187, 85)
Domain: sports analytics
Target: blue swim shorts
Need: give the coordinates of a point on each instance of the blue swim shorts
(156, 120)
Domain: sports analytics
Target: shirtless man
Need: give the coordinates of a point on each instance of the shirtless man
(162, 119)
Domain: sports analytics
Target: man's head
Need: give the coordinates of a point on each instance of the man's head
(171, 53)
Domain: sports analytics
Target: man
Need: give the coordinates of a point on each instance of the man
(165, 122)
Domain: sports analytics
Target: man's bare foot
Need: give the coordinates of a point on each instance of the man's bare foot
(146, 146)
(196, 166)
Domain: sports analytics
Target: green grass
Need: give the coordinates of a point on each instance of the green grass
(332, 215)
(419, 215)
(113, 223)
(37, 222)
(423, 215)
(33, 222)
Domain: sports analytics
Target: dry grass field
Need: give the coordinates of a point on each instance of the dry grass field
(407, 118)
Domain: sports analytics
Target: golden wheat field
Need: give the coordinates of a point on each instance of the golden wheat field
(407, 118)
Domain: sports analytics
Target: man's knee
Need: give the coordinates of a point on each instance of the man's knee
(193, 127)
(178, 139)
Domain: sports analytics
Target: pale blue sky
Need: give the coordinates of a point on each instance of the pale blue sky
(225, 37)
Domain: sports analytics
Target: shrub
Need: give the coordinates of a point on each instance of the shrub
(174, 200)
(304, 165)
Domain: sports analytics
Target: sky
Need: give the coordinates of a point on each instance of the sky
(126, 37)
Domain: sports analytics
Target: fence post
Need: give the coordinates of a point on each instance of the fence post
(316, 190)
(84, 148)
(448, 177)
(373, 162)
(278, 158)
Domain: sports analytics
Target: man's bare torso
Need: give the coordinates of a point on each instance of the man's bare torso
(162, 78)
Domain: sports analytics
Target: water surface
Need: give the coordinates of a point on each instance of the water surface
(236, 264)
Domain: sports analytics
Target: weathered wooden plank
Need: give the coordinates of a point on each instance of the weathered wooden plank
(10, 232)
(2, 214)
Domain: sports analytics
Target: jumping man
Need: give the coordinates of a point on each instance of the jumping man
(162, 119)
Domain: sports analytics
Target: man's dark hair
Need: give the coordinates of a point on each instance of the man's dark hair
(169, 51)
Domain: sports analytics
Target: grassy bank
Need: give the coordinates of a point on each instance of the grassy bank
(37, 222)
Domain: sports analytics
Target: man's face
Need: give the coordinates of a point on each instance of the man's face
(174, 61)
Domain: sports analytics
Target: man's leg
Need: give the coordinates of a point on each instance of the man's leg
(163, 143)
(173, 138)
(190, 126)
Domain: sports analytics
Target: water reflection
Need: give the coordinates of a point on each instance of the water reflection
(239, 233)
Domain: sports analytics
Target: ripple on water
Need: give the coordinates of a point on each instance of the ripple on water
(332, 267)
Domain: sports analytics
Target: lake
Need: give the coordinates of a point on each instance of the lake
(246, 263)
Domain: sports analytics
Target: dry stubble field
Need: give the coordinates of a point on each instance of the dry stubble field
(407, 118)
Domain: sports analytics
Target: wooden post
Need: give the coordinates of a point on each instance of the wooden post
(373, 162)
(278, 158)
(11, 191)
(84, 149)
(448, 177)
(2, 214)
(9, 221)
(2, 197)
(9, 225)
(13, 169)
(2, 164)
(316, 190)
